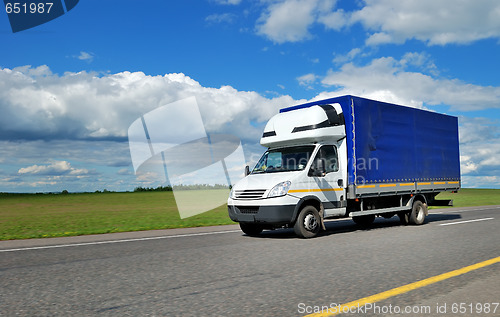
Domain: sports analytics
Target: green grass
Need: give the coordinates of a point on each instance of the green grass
(468, 197)
(40, 216)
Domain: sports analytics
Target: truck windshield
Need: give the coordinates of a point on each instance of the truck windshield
(284, 159)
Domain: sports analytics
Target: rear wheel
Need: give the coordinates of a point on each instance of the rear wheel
(418, 211)
(364, 221)
(308, 222)
(251, 229)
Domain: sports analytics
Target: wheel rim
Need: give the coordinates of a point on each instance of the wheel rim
(310, 222)
(420, 214)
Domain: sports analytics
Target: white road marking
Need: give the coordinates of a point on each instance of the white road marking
(465, 221)
(118, 241)
(442, 211)
(482, 209)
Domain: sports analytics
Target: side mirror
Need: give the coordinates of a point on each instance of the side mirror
(247, 170)
(319, 171)
(321, 167)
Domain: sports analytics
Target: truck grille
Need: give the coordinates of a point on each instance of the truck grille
(249, 193)
(248, 209)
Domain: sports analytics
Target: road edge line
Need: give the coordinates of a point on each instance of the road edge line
(403, 289)
(55, 246)
(465, 221)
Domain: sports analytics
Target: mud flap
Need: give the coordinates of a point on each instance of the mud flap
(321, 217)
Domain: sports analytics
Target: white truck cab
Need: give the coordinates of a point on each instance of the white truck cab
(305, 162)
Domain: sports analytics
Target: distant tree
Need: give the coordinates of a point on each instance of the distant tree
(65, 192)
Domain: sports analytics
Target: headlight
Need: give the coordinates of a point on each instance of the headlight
(231, 193)
(280, 190)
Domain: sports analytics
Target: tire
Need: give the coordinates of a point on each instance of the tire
(364, 221)
(308, 223)
(418, 211)
(251, 229)
(404, 218)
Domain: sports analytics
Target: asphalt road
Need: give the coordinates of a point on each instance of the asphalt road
(219, 271)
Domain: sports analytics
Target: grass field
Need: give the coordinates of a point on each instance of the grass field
(468, 197)
(39, 216)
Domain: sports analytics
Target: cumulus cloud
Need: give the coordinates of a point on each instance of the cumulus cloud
(287, 21)
(433, 22)
(84, 117)
(414, 87)
(37, 104)
(307, 80)
(387, 21)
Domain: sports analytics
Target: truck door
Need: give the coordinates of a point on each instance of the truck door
(330, 185)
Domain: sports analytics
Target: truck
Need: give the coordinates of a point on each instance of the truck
(347, 157)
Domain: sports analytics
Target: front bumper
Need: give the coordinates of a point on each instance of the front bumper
(273, 215)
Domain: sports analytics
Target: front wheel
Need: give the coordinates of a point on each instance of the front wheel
(308, 222)
(251, 229)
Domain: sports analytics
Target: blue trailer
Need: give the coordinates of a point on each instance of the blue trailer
(348, 157)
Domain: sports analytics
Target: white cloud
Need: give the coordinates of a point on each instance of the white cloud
(474, 130)
(413, 87)
(290, 20)
(49, 120)
(467, 165)
(287, 21)
(221, 18)
(307, 80)
(85, 56)
(481, 182)
(480, 150)
(54, 168)
(387, 21)
(335, 20)
(480, 158)
(434, 22)
(36, 104)
(342, 59)
(228, 2)
(95, 165)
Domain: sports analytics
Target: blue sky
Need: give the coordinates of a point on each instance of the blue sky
(70, 88)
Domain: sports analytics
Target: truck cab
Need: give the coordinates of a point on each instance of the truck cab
(304, 165)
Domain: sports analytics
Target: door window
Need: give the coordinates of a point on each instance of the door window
(328, 154)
